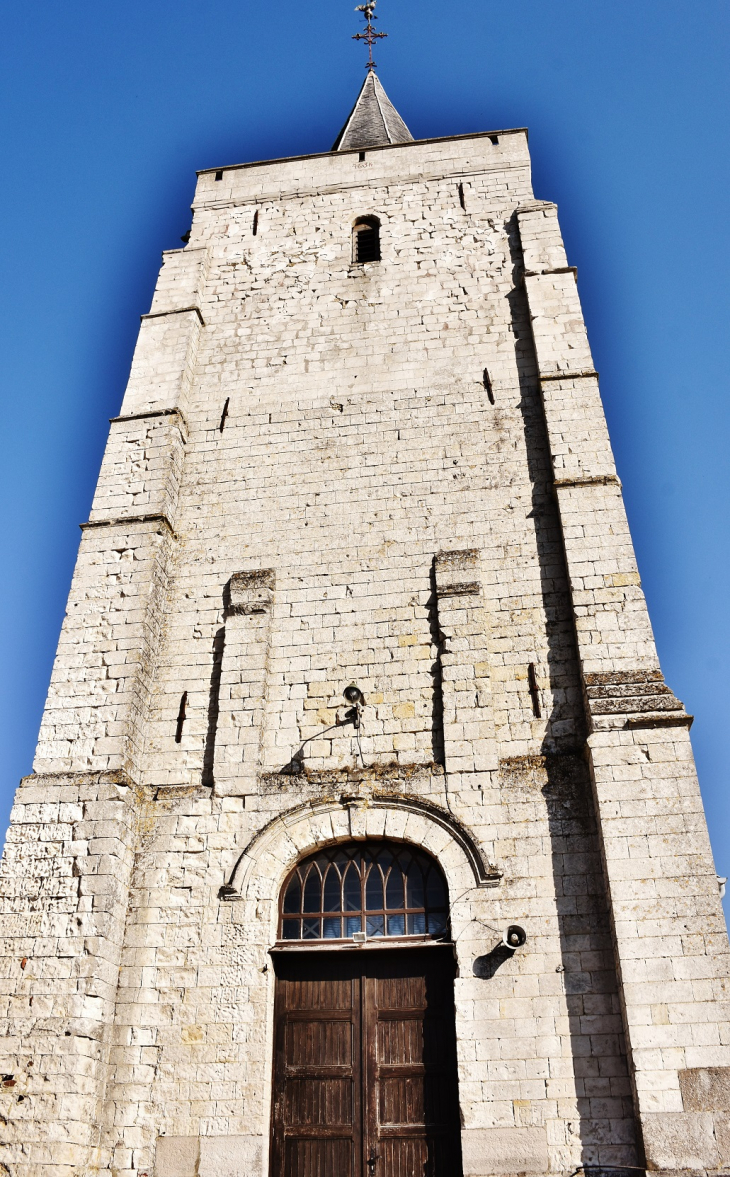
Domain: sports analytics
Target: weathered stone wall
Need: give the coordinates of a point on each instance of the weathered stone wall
(64, 890)
(374, 473)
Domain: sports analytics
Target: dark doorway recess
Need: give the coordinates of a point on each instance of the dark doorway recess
(365, 1079)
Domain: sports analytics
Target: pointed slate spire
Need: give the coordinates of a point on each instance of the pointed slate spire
(374, 121)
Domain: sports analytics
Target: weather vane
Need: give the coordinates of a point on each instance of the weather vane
(369, 36)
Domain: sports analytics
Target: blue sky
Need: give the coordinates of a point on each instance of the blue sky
(107, 110)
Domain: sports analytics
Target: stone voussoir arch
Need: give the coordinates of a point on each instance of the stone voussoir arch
(263, 865)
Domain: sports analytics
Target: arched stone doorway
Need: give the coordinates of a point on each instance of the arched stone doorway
(365, 1078)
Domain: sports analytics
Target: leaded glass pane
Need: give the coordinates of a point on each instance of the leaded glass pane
(332, 891)
(417, 924)
(414, 886)
(313, 891)
(374, 889)
(435, 894)
(293, 897)
(352, 889)
(394, 889)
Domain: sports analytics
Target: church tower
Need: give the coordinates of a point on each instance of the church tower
(363, 837)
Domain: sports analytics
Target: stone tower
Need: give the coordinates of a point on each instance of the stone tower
(363, 837)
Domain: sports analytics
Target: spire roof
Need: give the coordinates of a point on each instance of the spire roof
(373, 122)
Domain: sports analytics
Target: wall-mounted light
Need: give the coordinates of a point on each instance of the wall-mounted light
(514, 937)
(354, 695)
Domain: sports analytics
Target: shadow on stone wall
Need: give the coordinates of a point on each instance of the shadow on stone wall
(437, 696)
(556, 787)
(219, 642)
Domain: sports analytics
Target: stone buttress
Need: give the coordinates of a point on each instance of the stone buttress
(667, 922)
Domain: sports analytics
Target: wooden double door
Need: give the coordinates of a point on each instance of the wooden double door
(365, 1065)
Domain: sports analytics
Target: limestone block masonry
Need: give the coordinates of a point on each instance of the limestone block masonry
(394, 474)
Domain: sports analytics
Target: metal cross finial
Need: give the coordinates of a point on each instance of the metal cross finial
(369, 36)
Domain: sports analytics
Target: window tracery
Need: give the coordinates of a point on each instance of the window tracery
(372, 889)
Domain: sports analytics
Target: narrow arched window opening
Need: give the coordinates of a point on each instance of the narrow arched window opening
(365, 890)
(366, 240)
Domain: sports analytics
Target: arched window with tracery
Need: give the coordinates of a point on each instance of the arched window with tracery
(365, 889)
(366, 240)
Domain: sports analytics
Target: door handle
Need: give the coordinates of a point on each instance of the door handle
(372, 1160)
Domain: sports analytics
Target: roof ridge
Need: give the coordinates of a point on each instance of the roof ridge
(343, 133)
(377, 82)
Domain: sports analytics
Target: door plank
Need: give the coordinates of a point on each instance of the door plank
(412, 1118)
(317, 1122)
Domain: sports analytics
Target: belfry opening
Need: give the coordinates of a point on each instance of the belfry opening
(366, 240)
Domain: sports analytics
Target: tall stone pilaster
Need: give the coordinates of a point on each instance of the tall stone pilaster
(470, 743)
(242, 698)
